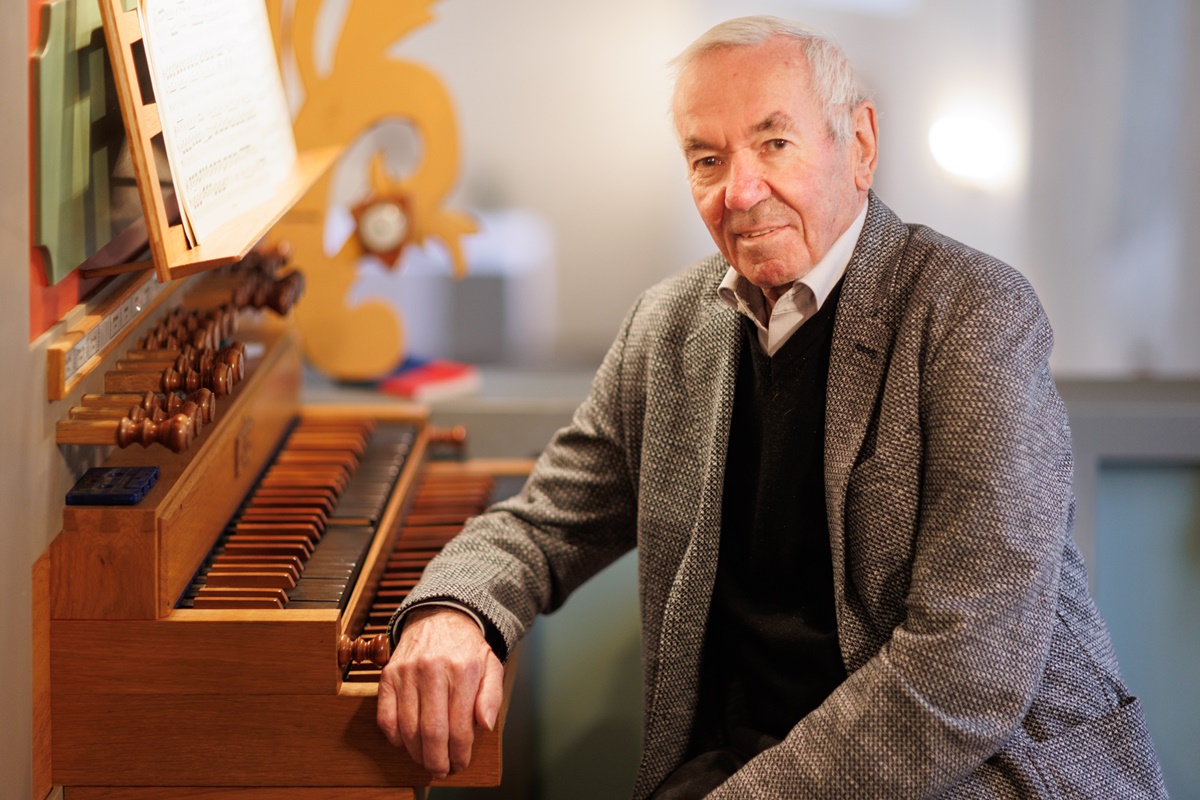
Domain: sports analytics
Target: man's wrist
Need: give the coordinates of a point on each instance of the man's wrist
(401, 619)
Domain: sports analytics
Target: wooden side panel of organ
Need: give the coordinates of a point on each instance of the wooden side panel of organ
(132, 562)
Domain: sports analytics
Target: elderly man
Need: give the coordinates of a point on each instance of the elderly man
(841, 456)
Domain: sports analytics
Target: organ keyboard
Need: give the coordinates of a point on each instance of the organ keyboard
(199, 640)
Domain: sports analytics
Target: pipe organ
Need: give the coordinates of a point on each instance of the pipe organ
(211, 615)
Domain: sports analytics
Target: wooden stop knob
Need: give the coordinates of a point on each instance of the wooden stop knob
(365, 649)
(456, 435)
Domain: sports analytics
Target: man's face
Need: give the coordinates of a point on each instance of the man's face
(769, 181)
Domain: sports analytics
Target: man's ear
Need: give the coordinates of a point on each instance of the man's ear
(865, 145)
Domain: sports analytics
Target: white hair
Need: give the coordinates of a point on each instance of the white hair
(833, 79)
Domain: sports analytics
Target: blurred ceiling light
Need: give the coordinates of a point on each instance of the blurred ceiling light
(978, 148)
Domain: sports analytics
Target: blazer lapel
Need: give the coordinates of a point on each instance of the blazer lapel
(863, 334)
(710, 367)
(710, 356)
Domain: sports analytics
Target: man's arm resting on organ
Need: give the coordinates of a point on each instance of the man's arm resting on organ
(442, 678)
(575, 515)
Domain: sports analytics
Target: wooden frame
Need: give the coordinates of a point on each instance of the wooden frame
(173, 257)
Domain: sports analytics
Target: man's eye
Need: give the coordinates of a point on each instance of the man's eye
(777, 144)
(708, 162)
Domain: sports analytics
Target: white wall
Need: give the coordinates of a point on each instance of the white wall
(563, 112)
(1113, 203)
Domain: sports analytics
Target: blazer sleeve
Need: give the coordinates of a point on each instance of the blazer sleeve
(958, 673)
(575, 515)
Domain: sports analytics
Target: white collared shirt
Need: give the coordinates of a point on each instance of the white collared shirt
(801, 301)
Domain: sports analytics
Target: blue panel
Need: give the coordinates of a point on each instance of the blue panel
(1147, 584)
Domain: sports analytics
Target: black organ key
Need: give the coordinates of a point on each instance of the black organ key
(300, 537)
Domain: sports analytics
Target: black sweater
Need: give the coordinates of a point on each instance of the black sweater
(771, 652)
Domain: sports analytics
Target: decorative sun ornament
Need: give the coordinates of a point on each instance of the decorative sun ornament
(382, 218)
(346, 336)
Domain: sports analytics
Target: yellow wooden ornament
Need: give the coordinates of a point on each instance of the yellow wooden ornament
(364, 88)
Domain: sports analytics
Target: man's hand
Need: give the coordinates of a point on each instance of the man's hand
(442, 678)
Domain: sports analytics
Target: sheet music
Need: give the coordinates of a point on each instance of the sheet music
(226, 125)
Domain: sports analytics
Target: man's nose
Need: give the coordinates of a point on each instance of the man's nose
(747, 185)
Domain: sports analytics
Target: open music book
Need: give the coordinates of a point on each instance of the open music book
(226, 125)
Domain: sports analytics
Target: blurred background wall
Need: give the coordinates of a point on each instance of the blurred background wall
(563, 113)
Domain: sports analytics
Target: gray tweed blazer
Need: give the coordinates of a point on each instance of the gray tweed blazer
(978, 665)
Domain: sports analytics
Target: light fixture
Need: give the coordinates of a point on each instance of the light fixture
(977, 147)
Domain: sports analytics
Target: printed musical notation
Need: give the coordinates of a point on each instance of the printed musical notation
(226, 125)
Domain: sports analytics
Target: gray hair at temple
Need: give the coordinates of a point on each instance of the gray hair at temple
(833, 78)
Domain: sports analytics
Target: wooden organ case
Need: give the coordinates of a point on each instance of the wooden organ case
(206, 641)
(243, 694)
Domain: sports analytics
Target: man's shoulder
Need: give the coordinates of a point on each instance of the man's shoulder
(694, 283)
(933, 271)
(680, 298)
(938, 283)
(961, 282)
(946, 259)
(928, 260)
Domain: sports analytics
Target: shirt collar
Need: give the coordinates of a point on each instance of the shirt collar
(746, 298)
